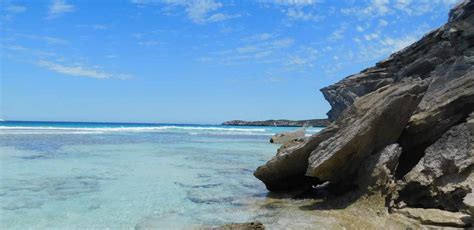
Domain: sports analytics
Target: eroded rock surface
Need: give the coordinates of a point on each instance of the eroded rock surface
(371, 123)
(410, 114)
(444, 175)
(451, 45)
(436, 217)
(286, 170)
(378, 170)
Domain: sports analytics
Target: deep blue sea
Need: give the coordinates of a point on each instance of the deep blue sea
(73, 175)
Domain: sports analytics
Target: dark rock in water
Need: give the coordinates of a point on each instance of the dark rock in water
(285, 137)
(444, 176)
(241, 226)
(286, 170)
(371, 123)
(283, 123)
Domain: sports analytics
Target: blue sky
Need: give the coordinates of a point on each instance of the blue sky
(195, 61)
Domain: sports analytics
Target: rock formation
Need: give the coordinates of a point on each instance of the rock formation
(402, 128)
(241, 226)
(371, 123)
(444, 175)
(446, 52)
(285, 137)
(286, 170)
(282, 123)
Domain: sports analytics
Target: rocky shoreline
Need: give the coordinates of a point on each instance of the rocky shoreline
(281, 123)
(402, 131)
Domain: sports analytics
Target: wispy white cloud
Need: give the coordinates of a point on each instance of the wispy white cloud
(15, 9)
(338, 34)
(383, 23)
(11, 10)
(303, 58)
(43, 38)
(291, 2)
(302, 15)
(380, 8)
(375, 46)
(221, 17)
(374, 8)
(146, 39)
(149, 43)
(371, 36)
(419, 7)
(58, 8)
(198, 11)
(94, 26)
(259, 37)
(295, 10)
(79, 70)
(396, 44)
(261, 48)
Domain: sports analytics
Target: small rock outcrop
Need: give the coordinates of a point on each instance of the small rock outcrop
(241, 226)
(286, 170)
(404, 128)
(285, 137)
(282, 123)
(437, 218)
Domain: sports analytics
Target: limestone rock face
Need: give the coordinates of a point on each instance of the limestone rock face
(371, 123)
(436, 217)
(440, 50)
(448, 100)
(444, 176)
(411, 113)
(285, 137)
(286, 170)
(378, 170)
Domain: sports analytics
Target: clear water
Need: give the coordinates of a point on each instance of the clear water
(125, 176)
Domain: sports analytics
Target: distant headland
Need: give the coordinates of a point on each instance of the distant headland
(281, 122)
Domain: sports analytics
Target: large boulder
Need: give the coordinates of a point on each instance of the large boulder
(371, 123)
(286, 170)
(444, 176)
(285, 137)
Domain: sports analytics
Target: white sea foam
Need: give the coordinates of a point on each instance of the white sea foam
(98, 130)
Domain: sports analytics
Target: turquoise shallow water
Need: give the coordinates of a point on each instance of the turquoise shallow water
(122, 176)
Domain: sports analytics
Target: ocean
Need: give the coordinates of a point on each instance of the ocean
(78, 175)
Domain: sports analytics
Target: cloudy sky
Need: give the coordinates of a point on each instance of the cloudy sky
(194, 61)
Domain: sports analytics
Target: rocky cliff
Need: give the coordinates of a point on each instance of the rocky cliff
(283, 123)
(402, 129)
